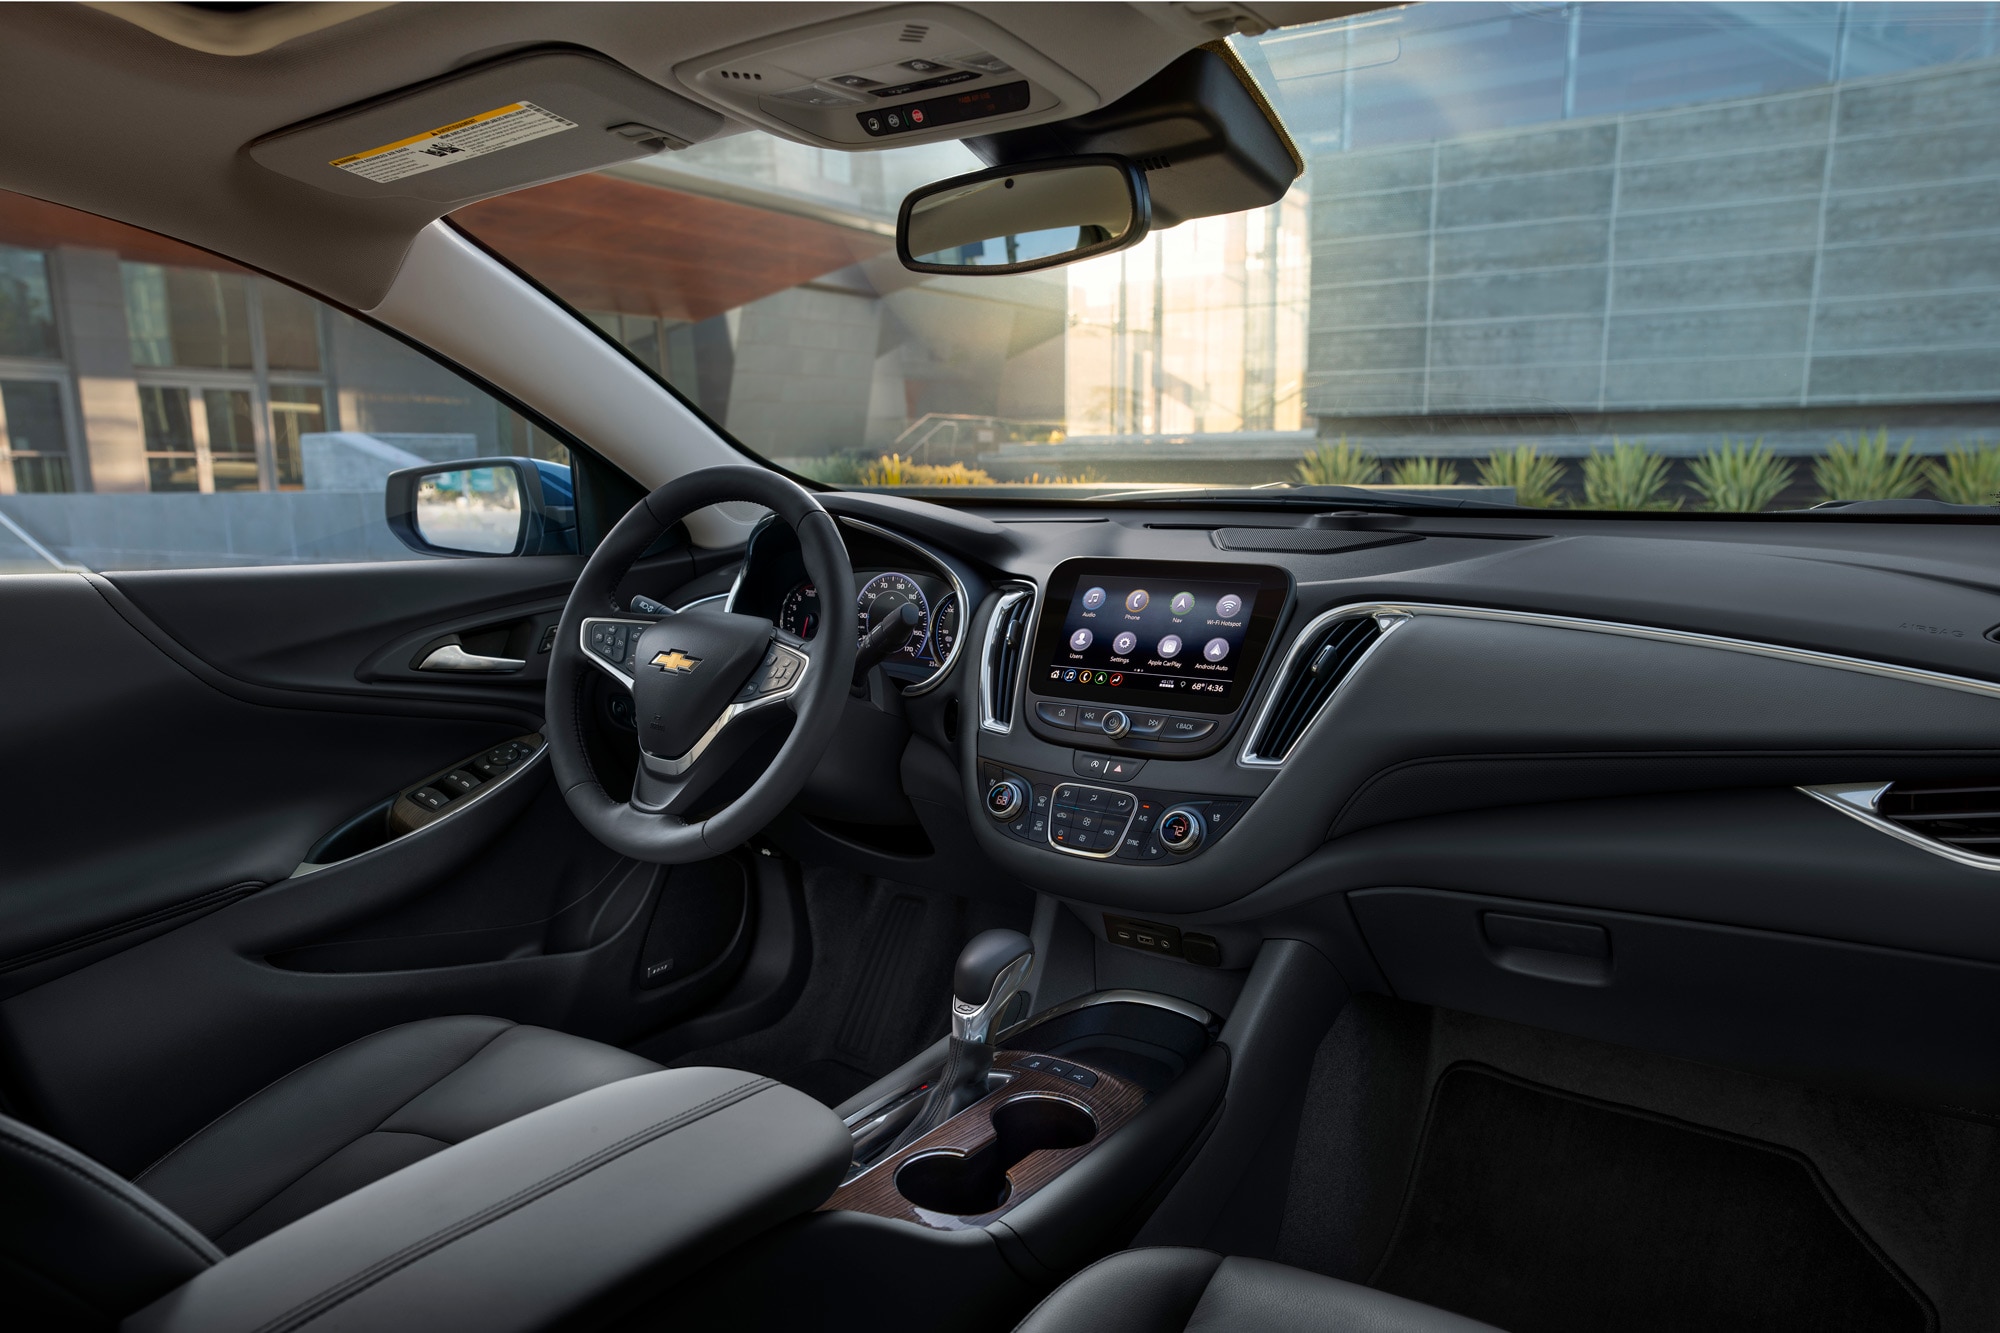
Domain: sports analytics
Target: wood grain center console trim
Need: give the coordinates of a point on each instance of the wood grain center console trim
(1111, 1101)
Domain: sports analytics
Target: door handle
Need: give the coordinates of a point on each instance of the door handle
(452, 657)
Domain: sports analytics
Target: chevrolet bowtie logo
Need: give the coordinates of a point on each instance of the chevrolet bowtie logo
(676, 661)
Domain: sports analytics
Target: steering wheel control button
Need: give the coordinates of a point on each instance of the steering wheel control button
(1007, 799)
(1115, 723)
(1057, 715)
(1181, 830)
(1186, 728)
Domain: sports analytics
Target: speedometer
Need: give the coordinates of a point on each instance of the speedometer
(886, 594)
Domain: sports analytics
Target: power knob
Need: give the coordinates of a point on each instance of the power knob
(1006, 799)
(1181, 830)
(1116, 724)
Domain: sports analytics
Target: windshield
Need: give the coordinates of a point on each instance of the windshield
(1634, 256)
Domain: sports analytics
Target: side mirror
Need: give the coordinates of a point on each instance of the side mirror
(1022, 218)
(484, 506)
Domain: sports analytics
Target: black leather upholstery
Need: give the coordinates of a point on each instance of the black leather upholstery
(372, 1107)
(1171, 1290)
(566, 1212)
(80, 1247)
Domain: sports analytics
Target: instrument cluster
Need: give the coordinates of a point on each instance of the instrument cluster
(883, 593)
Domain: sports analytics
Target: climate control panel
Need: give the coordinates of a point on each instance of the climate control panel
(1102, 822)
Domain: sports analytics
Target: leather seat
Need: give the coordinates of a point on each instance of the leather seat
(373, 1106)
(1168, 1290)
(80, 1247)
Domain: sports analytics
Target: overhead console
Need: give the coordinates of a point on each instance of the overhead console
(912, 74)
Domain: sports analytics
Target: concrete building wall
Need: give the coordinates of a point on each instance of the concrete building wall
(1836, 247)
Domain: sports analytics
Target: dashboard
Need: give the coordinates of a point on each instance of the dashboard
(1707, 785)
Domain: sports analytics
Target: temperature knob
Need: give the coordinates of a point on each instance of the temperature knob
(1181, 830)
(1006, 799)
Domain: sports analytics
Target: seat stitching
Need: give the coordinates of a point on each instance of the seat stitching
(131, 1203)
(313, 1307)
(162, 1159)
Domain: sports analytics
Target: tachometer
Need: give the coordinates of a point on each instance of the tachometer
(799, 613)
(886, 594)
(944, 628)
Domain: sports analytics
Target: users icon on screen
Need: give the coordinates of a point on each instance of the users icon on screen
(1080, 640)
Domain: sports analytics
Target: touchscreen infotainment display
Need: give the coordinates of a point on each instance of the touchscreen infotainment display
(1179, 636)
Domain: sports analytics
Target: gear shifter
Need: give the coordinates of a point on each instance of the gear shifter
(991, 970)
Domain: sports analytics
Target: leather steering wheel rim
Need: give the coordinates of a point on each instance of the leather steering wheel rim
(655, 834)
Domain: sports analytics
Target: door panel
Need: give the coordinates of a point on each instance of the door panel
(184, 737)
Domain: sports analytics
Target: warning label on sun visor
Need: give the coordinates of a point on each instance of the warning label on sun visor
(475, 136)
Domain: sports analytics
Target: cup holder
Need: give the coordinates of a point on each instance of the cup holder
(966, 1184)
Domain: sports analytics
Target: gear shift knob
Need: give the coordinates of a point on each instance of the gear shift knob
(991, 970)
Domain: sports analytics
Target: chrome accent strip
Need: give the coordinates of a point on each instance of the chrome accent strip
(453, 657)
(1686, 638)
(974, 1022)
(1385, 621)
(1116, 847)
(993, 623)
(936, 678)
(1857, 801)
(722, 597)
(583, 643)
(459, 807)
(673, 768)
(1171, 1003)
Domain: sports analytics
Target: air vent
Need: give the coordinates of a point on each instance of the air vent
(915, 32)
(1310, 676)
(1006, 643)
(1965, 817)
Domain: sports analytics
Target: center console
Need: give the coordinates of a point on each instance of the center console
(1134, 679)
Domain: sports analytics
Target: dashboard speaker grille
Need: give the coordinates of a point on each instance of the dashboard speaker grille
(1309, 681)
(1005, 649)
(1966, 817)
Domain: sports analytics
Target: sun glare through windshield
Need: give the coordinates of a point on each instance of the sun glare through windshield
(1640, 256)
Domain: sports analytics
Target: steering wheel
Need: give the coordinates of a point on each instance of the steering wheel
(701, 681)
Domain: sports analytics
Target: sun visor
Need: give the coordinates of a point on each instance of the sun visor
(1201, 131)
(533, 117)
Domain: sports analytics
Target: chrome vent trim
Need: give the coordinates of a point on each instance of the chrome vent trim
(1000, 657)
(1953, 821)
(1322, 656)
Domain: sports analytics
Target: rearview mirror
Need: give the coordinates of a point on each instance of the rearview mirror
(1022, 218)
(484, 506)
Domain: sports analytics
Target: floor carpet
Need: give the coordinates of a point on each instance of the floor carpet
(1544, 1212)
